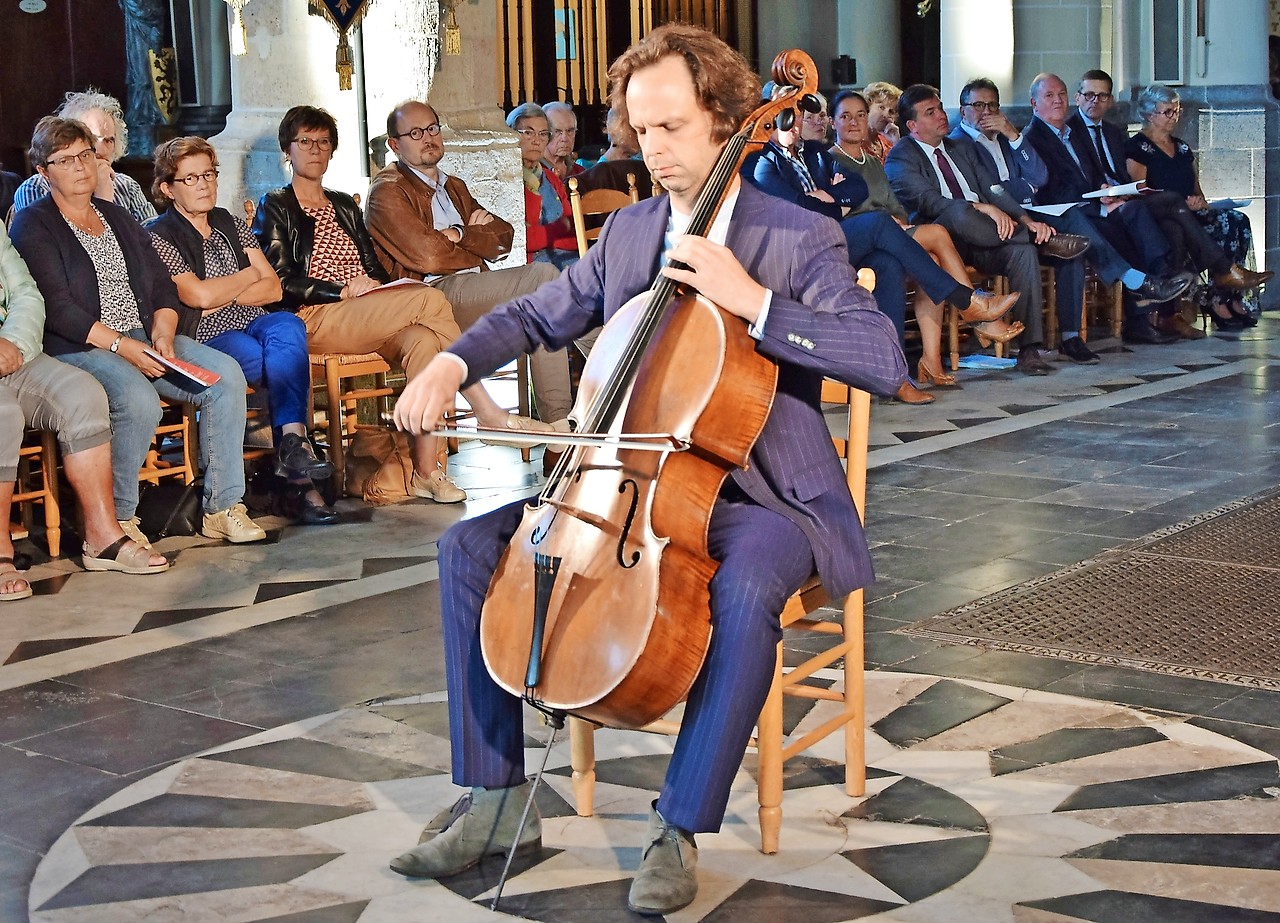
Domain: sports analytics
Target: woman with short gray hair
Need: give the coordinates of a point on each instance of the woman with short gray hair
(548, 223)
(1165, 161)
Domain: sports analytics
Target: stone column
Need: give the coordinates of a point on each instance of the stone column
(877, 50)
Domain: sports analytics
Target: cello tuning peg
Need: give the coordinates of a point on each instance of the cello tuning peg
(810, 103)
(786, 119)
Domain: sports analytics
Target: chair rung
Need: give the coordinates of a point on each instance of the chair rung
(800, 744)
(818, 625)
(365, 394)
(813, 692)
(819, 661)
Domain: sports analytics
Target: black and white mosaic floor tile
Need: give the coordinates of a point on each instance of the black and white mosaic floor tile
(984, 802)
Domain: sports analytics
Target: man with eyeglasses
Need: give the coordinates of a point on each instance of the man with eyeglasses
(563, 122)
(1000, 145)
(102, 115)
(427, 225)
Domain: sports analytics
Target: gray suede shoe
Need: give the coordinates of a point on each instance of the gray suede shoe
(458, 839)
(667, 879)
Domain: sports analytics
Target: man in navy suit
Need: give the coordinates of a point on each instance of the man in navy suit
(785, 273)
(1129, 245)
(1000, 145)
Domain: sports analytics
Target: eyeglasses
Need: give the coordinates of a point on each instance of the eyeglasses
(984, 107)
(564, 131)
(531, 134)
(192, 178)
(811, 117)
(320, 144)
(417, 132)
(1173, 113)
(84, 157)
(1096, 97)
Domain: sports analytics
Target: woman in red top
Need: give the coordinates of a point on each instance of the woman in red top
(548, 222)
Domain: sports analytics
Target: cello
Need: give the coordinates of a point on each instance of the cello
(600, 604)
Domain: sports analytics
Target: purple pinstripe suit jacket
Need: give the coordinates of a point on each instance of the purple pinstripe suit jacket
(820, 324)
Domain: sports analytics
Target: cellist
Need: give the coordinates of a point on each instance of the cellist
(785, 272)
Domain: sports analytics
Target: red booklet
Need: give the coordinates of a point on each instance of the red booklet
(189, 376)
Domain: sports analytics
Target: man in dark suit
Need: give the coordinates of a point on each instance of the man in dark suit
(1000, 145)
(1129, 245)
(1188, 240)
(784, 273)
(942, 180)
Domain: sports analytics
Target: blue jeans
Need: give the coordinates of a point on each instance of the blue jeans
(134, 401)
(273, 349)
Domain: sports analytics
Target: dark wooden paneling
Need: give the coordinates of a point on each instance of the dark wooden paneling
(72, 45)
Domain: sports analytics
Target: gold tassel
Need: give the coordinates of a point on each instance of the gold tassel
(239, 34)
(345, 63)
(452, 35)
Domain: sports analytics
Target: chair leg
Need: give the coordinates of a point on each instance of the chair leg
(524, 384)
(337, 429)
(855, 732)
(1117, 309)
(953, 335)
(1051, 312)
(52, 509)
(769, 750)
(582, 758)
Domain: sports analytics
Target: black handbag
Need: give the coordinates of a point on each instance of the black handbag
(171, 508)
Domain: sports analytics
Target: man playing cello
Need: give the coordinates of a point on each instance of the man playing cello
(785, 272)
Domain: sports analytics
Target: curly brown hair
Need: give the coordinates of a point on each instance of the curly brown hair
(727, 88)
(172, 153)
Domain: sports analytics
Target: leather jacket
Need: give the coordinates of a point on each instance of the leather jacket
(287, 235)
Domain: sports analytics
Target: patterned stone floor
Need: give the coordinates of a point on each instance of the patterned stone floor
(252, 735)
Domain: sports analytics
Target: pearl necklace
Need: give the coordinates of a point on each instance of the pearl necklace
(850, 156)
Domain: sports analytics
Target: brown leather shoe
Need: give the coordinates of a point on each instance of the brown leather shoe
(908, 393)
(1065, 246)
(1177, 324)
(1240, 278)
(1030, 362)
(984, 306)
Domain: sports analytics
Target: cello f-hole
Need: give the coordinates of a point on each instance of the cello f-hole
(626, 526)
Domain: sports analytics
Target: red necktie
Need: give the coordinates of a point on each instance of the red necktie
(948, 174)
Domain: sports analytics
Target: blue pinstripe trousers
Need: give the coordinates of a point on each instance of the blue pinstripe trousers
(764, 558)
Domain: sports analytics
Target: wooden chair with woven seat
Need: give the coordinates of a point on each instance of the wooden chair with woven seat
(338, 418)
(997, 285)
(1105, 302)
(597, 204)
(172, 452)
(772, 744)
(38, 483)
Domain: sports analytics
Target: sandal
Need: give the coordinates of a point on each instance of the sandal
(123, 555)
(7, 567)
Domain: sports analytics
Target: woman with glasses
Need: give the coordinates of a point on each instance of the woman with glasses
(815, 127)
(316, 241)
(113, 310)
(1166, 162)
(219, 269)
(548, 223)
(808, 175)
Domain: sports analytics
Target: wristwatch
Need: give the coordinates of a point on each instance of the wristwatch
(115, 344)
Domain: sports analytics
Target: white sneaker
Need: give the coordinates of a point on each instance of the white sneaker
(132, 528)
(233, 524)
(436, 486)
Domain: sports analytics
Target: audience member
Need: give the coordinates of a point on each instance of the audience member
(815, 127)
(113, 310)
(1000, 145)
(9, 183)
(939, 179)
(1166, 162)
(807, 176)
(427, 225)
(882, 115)
(620, 160)
(102, 115)
(562, 122)
(548, 223)
(219, 270)
(39, 391)
(315, 239)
